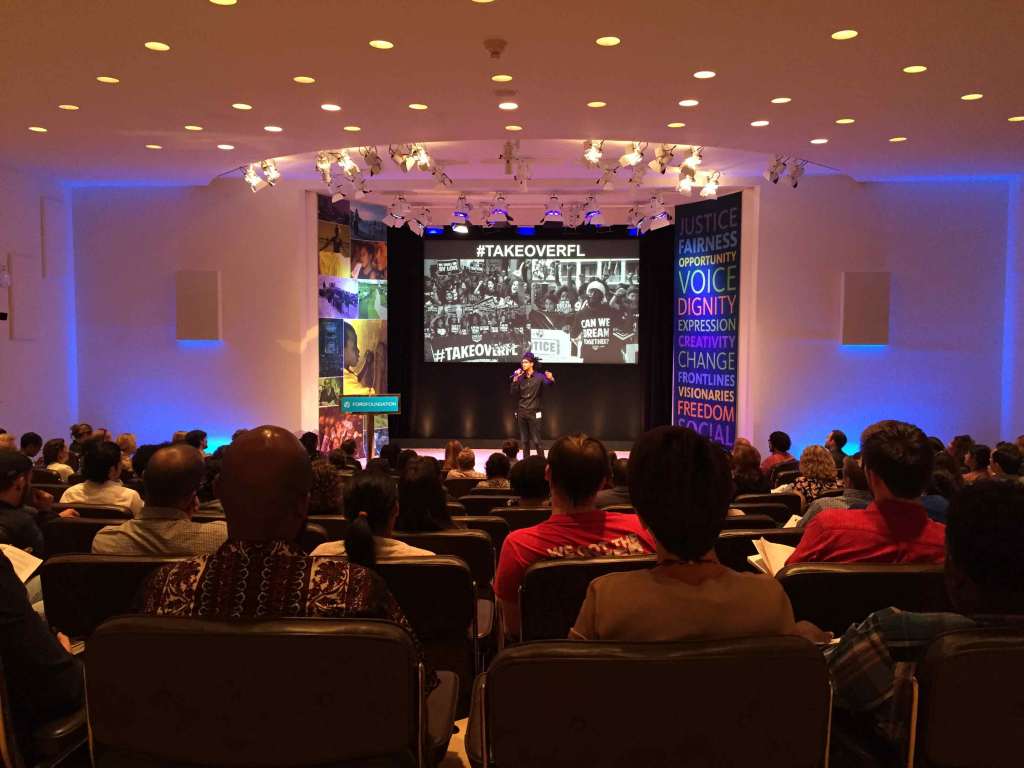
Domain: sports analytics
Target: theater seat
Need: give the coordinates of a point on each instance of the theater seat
(970, 700)
(481, 504)
(749, 522)
(497, 528)
(778, 511)
(735, 546)
(835, 595)
(521, 517)
(312, 536)
(763, 702)
(552, 592)
(778, 469)
(42, 476)
(478, 490)
(277, 692)
(459, 486)
(74, 535)
(791, 500)
(54, 489)
(48, 743)
(104, 511)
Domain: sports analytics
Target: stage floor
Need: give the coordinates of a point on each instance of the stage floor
(482, 451)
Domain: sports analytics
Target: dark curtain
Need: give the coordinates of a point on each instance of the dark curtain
(405, 324)
(656, 316)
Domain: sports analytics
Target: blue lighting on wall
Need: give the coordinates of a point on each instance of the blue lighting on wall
(215, 442)
(434, 230)
(200, 343)
(634, 232)
(526, 230)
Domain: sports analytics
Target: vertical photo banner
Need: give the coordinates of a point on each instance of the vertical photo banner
(707, 301)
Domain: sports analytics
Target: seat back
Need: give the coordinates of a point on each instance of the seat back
(97, 510)
(971, 709)
(790, 500)
(478, 490)
(455, 508)
(74, 535)
(497, 528)
(749, 522)
(520, 517)
(252, 693)
(834, 493)
(312, 536)
(836, 595)
(481, 504)
(45, 477)
(475, 548)
(83, 591)
(778, 512)
(552, 592)
(460, 486)
(621, 704)
(734, 547)
(54, 489)
(10, 754)
(778, 469)
(333, 525)
(785, 477)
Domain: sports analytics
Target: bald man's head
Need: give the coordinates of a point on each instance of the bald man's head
(264, 485)
(173, 475)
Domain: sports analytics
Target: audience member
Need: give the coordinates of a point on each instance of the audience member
(942, 487)
(389, 454)
(1019, 442)
(856, 494)
(7, 441)
(44, 681)
(179, 436)
(834, 444)
(873, 665)
(959, 447)
(208, 498)
(466, 466)
(511, 449)
(347, 461)
(452, 449)
(746, 470)
(164, 526)
(778, 452)
(142, 456)
(618, 494)
(681, 487)
(22, 510)
(978, 460)
(577, 467)
(422, 499)
(128, 445)
(260, 571)
(371, 504)
(404, 457)
(894, 528)
(31, 444)
(311, 442)
(1006, 462)
(197, 439)
(55, 458)
(101, 468)
(79, 434)
(937, 445)
(817, 475)
(325, 495)
(496, 469)
(529, 482)
(102, 434)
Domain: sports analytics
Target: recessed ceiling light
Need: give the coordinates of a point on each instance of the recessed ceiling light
(304, 79)
(225, 146)
(781, 100)
(844, 34)
(153, 45)
(676, 125)
(37, 129)
(382, 45)
(193, 127)
(501, 78)
(508, 106)
(418, 107)
(513, 127)
(108, 79)
(153, 146)
(759, 123)
(704, 74)
(68, 107)
(596, 104)
(223, 2)
(241, 106)
(898, 139)
(483, 2)
(330, 107)
(971, 96)
(845, 121)
(915, 69)
(608, 42)
(1016, 119)
(272, 128)
(819, 141)
(352, 128)
(689, 103)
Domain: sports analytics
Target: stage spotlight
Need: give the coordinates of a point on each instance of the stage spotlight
(686, 178)
(509, 154)
(270, 172)
(460, 229)
(417, 224)
(373, 162)
(710, 188)
(398, 212)
(399, 155)
(347, 164)
(657, 215)
(593, 152)
(607, 180)
(573, 214)
(418, 158)
(633, 217)
(499, 215)
(636, 178)
(323, 164)
(775, 169)
(523, 175)
(592, 212)
(553, 213)
(442, 178)
(662, 157)
(460, 216)
(635, 155)
(695, 159)
(252, 177)
(796, 172)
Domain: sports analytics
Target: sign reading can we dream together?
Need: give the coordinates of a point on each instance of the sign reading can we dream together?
(707, 301)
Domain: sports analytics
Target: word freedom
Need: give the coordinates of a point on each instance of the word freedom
(531, 251)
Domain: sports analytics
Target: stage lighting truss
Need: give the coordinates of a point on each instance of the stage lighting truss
(710, 188)
(593, 151)
(553, 211)
(634, 155)
(662, 158)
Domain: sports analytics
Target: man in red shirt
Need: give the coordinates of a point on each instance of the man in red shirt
(577, 468)
(895, 527)
(779, 444)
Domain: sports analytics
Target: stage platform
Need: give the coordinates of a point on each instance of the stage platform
(484, 448)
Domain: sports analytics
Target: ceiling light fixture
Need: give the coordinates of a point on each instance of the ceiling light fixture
(226, 147)
(352, 128)
(634, 155)
(685, 184)
(251, 177)
(304, 79)
(972, 96)
(695, 159)
(224, 2)
(398, 212)
(347, 164)
(270, 172)
(330, 107)
(710, 188)
(499, 215)
(592, 152)
(68, 107)
(597, 104)
(382, 45)
(844, 34)
(241, 106)
(553, 212)
(323, 162)
(819, 141)
(662, 157)
(592, 212)
(1016, 119)
(775, 169)
(845, 121)
(759, 123)
(513, 128)
(374, 163)
(704, 74)
(193, 127)
(509, 155)
(781, 100)
(272, 128)
(153, 146)
(655, 216)
(501, 78)
(676, 125)
(689, 103)
(607, 179)
(796, 172)
(508, 106)
(108, 80)
(154, 45)
(898, 139)
(608, 42)
(418, 107)
(915, 69)
(461, 215)
(37, 129)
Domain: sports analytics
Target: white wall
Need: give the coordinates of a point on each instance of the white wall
(1013, 321)
(945, 244)
(133, 374)
(37, 376)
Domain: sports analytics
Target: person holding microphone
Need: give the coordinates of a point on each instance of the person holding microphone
(527, 388)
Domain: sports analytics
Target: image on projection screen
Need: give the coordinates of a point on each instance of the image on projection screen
(566, 301)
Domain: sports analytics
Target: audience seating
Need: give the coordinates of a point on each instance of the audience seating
(74, 535)
(497, 528)
(46, 746)
(82, 591)
(762, 702)
(790, 500)
(297, 692)
(835, 595)
(785, 477)
(734, 547)
(474, 547)
(455, 508)
(521, 517)
(749, 521)
(97, 510)
(778, 512)
(54, 489)
(626, 509)
(786, 466)
(553, 591)
(312, 536)
(75, 479)
(968, 700)
(460, 486)
(481, 504)
(42, 476)
(478, 490)
(333, 525)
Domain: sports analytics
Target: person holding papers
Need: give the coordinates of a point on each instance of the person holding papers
(680, 486)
